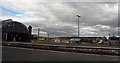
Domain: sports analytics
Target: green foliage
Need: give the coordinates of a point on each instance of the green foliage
(84, 40)
(43, 40)
(104, 39)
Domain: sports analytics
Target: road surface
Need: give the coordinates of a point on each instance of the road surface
(24, 54)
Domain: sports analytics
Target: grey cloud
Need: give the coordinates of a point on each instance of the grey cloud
(64, 14)
(92, 14)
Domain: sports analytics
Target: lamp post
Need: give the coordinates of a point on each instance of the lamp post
(78, 28)
(38, 32)
(78, 24)
(48, 35)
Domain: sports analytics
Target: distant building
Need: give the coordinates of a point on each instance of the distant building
(91, 39)
(62, 39)
(114, 39)
(15, 31)
(77, 39)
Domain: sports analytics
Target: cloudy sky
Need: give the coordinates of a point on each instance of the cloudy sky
(58, 18)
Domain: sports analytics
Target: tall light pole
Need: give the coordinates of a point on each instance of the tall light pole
(38, 32)
(48, 35)
(78, 24)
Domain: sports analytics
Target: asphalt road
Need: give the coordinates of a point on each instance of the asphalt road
(24, 54)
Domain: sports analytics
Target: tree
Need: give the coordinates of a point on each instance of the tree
(84, 40)
(104, 39)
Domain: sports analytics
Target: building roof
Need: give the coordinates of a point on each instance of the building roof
(114, 38)
(13, 26)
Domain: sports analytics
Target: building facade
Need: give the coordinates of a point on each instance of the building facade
(114, 40)
(15, 31)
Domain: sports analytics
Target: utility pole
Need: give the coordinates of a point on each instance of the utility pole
(38, 32)
(78, 24)
(109, 40)
(78, 28)
(48, 35)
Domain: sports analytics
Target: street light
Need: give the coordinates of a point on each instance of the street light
(78, 23)
(48, 35)
(38, 32)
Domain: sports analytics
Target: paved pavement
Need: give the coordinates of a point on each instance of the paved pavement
(24, 54)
